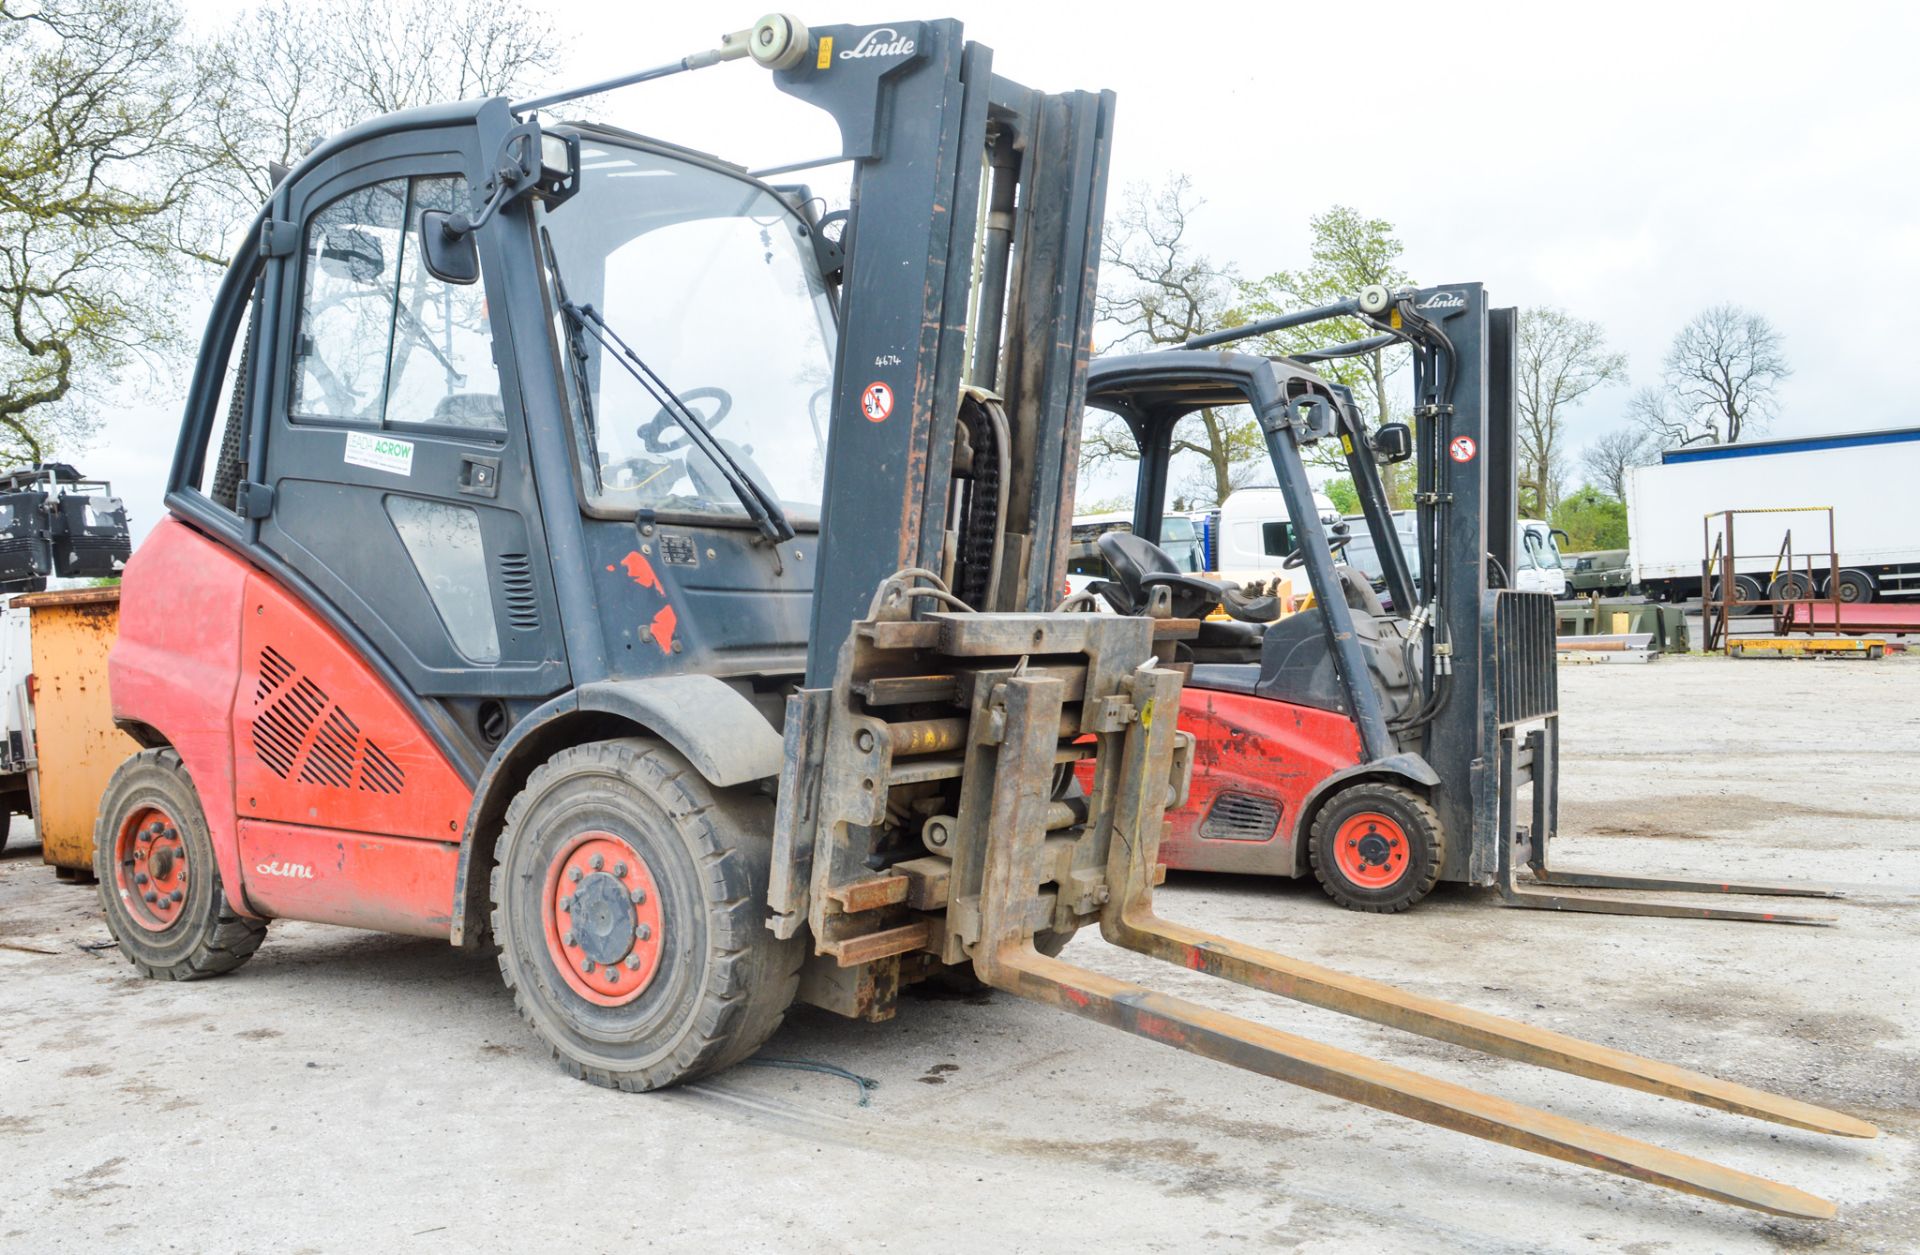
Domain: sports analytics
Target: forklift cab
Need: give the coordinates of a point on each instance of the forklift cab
(1286, 660)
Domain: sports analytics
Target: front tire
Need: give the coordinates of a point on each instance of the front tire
(159, 884)
(628, 904)
(1377, 847)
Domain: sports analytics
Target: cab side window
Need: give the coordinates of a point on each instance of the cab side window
(381, 341)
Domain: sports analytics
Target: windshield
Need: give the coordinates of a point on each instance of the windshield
(713, 282)
(1542, 553)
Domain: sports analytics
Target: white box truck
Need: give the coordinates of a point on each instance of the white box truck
(1870, 478)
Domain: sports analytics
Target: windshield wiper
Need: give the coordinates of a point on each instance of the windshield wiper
(759, 504)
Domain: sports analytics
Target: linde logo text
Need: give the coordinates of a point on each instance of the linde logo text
(882, 41)
(287, 871)
(1443, 300)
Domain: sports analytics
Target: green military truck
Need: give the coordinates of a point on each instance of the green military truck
(1604, 571)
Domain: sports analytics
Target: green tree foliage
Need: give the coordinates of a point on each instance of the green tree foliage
(1349, 252)
(1340, 491)
(98, 100)
(1591, 519)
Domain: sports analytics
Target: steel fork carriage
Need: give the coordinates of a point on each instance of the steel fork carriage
(967, 726)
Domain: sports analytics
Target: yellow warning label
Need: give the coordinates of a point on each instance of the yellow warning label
(825, 60)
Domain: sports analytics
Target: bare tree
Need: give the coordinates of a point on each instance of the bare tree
(96, 170)
(290, 74)
(1721, 376)
(1157, 290)
(1561, 360)
(1608, 459)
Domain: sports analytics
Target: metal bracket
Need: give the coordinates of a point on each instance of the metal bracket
(253, 501)
(278, 238)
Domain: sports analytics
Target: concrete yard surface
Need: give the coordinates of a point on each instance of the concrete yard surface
(348, 1091)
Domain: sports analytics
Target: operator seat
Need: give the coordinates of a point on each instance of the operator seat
(1139, 566)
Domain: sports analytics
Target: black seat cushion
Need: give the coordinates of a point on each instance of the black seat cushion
(1231, 677)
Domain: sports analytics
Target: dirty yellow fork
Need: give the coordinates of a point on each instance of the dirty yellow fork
(1006, 959)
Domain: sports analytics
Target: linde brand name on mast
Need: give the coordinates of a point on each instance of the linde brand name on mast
(881, 41)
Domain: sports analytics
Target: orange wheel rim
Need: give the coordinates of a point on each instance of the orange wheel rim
(600, 912)
(1372, 851)
(150, 868)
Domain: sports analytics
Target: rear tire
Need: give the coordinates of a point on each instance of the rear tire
(159, 884)
(658, 986)
(1377, 847)
(1790, 586)
(1854, 587)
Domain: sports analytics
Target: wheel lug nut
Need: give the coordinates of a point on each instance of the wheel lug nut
(637, 896)
(156, 827)
(176, 896)
(566, 904)
(149, 896)
(574, 874)
(644, 932)
(140, 878)
(633, 962)
(620, 869)
(568, 939)
(613, 975)
(586, 965)
(597, 862)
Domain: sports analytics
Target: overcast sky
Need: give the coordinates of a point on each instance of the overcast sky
(1630, 163)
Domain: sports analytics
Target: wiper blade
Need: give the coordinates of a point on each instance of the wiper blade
(759, 504)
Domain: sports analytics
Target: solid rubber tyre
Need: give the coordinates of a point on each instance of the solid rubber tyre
(203, 936)
(1400, 818)
(723, 981)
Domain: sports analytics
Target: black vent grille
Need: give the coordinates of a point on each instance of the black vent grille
(1523, 653)
(516, 582)
(1241, 817)
(288, 708)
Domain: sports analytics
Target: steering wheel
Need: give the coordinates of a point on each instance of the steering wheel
(1139, 565)
(657, 431)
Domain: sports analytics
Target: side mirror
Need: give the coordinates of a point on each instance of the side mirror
(1559, 535)
(1393, 442)
(451, 255)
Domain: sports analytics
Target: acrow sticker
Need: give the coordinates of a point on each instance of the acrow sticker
(876, 402)
(1462, 449)
(380, 453)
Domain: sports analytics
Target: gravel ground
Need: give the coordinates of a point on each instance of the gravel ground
(351, 1091)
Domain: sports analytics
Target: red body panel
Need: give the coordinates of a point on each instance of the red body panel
(318, 739)
(176, 661)
(394, 884)
(1256, 748)
(291, 736)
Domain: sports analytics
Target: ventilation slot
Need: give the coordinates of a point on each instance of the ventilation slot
(380, 774)
(301, 735)
(516, 582)
(1240, 817)
(330, 761)
(274, 671)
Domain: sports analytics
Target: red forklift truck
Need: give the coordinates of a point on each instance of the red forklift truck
(1378, 744)
(521, 603)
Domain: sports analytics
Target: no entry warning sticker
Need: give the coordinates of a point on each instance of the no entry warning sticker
(876, 402)
(1461, 449)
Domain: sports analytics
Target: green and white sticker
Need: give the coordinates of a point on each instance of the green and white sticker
(382, 453)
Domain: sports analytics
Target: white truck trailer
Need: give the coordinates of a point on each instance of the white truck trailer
(1870, 478)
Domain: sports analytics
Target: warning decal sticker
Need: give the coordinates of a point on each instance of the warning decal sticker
(1461, 449)
(876, 402)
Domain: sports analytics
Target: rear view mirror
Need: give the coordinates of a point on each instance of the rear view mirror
(1393, 442)
(451, 255)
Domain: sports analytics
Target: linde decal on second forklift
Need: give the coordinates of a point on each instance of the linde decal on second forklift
(636, 673)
